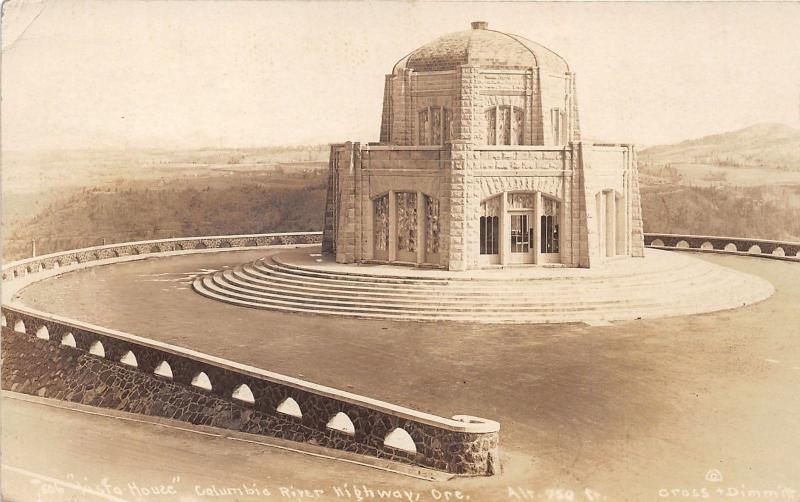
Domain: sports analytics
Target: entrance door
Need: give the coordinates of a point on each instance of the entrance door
(522, 241)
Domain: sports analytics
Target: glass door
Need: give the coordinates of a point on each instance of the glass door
(522, 241)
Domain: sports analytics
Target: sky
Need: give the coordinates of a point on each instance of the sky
(149, 74)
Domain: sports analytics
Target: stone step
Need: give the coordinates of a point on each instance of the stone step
(496, 304)
(417, 303)
(558, 275)
(669, 285)
(541, 294)
(254, 275)
(384, 307)
(491, 317)
(270, 272)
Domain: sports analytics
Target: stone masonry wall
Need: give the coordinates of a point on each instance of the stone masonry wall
(49, 368)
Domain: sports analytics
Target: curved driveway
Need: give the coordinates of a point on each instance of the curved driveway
(626, 410)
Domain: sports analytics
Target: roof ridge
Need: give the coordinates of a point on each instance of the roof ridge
(514, 38)
(469, 45)
(517, 37)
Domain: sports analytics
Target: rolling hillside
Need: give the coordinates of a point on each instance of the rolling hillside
(741, 183)
(771, 146)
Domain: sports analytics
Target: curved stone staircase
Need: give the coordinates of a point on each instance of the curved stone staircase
(667, 286)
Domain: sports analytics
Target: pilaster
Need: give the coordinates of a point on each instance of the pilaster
(345, 233)
(637, 229)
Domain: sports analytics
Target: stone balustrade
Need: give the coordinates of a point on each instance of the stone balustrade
(28, 266)
(781, 250)
(66, 359)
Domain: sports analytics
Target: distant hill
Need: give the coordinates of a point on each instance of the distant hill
(774, 146)
(744, 183)
(249, 202)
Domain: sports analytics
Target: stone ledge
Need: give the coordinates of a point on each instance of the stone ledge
(50, 368)
(267, 441)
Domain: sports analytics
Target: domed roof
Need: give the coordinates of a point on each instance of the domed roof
(485, 48)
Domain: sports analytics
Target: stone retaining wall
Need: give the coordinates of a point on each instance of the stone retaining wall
(48, 369)
(781, 250)
(61, 358)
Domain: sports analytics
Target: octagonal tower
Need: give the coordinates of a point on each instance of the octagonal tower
(480, 164)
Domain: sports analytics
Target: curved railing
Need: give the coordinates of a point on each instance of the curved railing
(293, 408)
(21, 268)
(779, 250)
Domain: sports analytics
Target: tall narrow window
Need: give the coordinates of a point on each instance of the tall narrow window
(382, 223)
(431, 225)
(423, 127)
(550, 225)
(436, 126)
(433, 125)
(490, 235)
(491, 126)
(504, 125)
(490, 225)
(407, 221)
(519, 126)
(448, 126)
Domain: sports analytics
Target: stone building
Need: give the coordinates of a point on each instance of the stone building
(480, 163)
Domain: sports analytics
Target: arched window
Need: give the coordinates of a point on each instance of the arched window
(505, 125)
(19, 326)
